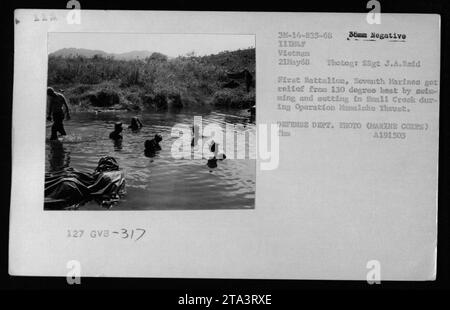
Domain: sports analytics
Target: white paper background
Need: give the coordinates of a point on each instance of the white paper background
(337, 200)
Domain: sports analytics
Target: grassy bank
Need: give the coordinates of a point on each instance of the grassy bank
(154, 83)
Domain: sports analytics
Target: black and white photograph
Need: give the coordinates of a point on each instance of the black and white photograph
(150, 121)
(281, 147)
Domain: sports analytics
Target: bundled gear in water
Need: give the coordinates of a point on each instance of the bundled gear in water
(69, 188)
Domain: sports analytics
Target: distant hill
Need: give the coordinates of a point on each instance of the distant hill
(133, 55)
(72, 52)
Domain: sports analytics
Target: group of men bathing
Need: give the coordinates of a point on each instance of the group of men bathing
(152, 145)
(68, 188)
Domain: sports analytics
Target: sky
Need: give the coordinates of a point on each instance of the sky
(172, 45)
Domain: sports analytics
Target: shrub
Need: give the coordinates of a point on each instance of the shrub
(156, 82)
(233, 99)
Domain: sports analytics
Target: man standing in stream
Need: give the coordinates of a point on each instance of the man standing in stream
(55, 109)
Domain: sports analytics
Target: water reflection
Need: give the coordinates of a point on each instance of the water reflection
(117, 144)
(58, 157)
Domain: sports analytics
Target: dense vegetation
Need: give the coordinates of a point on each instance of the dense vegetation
(155, 82)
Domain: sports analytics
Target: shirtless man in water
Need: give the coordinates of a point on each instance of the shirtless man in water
(55, 109)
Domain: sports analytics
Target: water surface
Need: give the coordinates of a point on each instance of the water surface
(161, 182)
